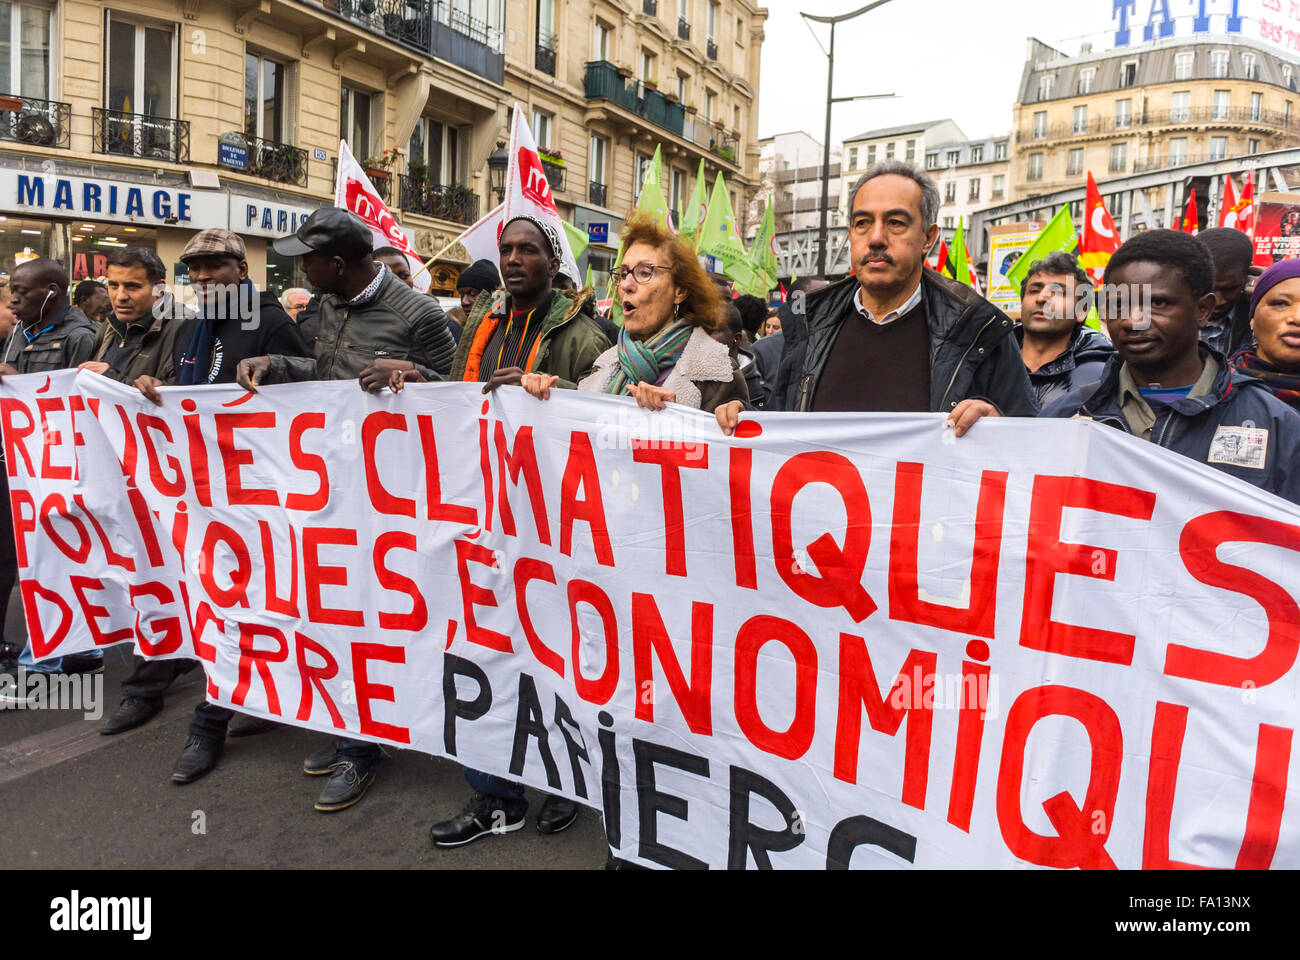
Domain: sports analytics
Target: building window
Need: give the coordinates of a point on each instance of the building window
(1045, 84)
(141, 62)
(740, 32)
(735, 119)
(1074, 167)
(853, 158)
(1252, 146)
(871, 155)
(1218, 148)
(1183, 63)
(25, 71)
(598, 153)
(1256, 105)
(1128, 72)
(354, 120)
(999, 151)
(263, 97)
(1035, 166)
(1178, 151)
(1040, 125)
(1286, 112)
(1222, 98)
(643, 161)
(1287, 76)
(911, 151)
(889, 151)
(1086, 76)
(542, 122)
(677, 190)
(711, 22)
(932, 161)
(1219, 63)
(710, 104)
(1080, 119)
(999, 186)
(974, 193)
(1248, 68)
(648, 65)
(1181, 110)
(1123, 114)
(954, 157)
(602, 41)
(436, 145)
(681, 86)
(977, 154)
(950, 192)
(947, 225)
(1115, 204)
(1118, 157)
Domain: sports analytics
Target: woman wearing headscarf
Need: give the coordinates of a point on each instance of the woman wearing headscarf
(665, 352)
(1274, 357)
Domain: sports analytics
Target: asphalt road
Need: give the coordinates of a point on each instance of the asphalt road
(72, 798)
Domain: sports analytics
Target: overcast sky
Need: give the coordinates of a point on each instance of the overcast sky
(943, 58)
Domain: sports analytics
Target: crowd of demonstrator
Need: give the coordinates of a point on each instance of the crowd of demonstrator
(1209, 349)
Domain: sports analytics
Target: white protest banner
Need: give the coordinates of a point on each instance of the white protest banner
(829, 641)
(354, 191)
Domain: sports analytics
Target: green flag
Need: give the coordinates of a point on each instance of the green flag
(695, 210)
(762, 255)
(652, 203)
(1057, 235)
(960, 262)
(655, 172)
(720, 241)
(578, 240)
(590, 281)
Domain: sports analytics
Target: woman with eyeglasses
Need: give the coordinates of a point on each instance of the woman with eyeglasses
(1274, 357)
(665, 352)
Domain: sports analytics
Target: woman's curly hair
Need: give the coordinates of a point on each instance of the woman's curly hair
(703, 304)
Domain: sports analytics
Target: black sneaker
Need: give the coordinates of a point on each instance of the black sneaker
(199, 757)
(348, 783)
(131, 713)
(483, 815)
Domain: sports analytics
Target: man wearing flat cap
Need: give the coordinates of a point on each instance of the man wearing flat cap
(371, 323)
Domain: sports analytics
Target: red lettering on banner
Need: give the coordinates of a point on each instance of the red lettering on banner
(910, 699)
(438, 510)
(793, 742)
(55, 503)
(840, 580)
(693, 699)
(237, 593)
(485, 470)
(319, 575)
(202, 649)
(173, 486)
(600, 690)
(42, 643)
(367, 691)
(144, 520)
(580, 472)
(23, 524)
(94, 612)
(979, 616)
(1081, 831)
(1267, 793)
(1198, 547)
(970, 737)
(274, 604)
(315, 677)
(180, 531)
(52, 440)
(1047, 556)
(383, 501)
(307, 463)
(130, 454)
(472, 595)
(115, 559)
(250, 657)
(671, 458)
(742, 521)
(523, 459)
(233, 458)
(198, 458)
(418, 618)
(167, 631)
(526, 571)
(16, 434)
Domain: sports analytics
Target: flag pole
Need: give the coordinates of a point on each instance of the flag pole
(425, 266)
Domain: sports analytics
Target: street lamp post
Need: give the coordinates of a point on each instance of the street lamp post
(497, 162)
(831, 100)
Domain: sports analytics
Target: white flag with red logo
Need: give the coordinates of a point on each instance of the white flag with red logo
(482, 240)
(353, 191)
(529, 192)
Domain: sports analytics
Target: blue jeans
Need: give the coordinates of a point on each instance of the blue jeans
(51, 666)
(510, 793)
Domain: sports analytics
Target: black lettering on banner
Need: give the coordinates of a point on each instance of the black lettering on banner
(610, 782)
(577, 748)
(651, 802)
(530, 723)
(454, 707)
(746, 837)
(863, 831)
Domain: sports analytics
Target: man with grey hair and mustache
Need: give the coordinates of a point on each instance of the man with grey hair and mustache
(896, 337)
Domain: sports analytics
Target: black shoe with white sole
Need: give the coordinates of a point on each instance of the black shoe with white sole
(482, 816)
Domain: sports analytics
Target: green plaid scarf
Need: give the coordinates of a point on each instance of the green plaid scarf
(645, 360)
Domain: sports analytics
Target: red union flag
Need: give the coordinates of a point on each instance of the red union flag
(529, 192)
(1100, 238)
(353, 191)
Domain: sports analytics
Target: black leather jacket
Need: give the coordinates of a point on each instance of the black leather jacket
(972, 351)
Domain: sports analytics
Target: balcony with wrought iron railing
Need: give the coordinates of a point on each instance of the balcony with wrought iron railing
(381, 180)
(432, 27)
(547, 43)
(445, 202)
(603, 81)
(406, 21)
(281, 162)
(596, 193)
(1238, 116)
(140, 135)
(41, 123)
(554, 170)
(1148, 164)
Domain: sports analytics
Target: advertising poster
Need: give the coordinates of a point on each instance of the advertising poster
(1277, 228)
(1007, 244)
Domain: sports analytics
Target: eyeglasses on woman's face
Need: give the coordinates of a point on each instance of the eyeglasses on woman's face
(643, 272)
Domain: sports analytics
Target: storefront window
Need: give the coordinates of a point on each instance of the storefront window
(282, 273)
(22, 240)
(89, 245)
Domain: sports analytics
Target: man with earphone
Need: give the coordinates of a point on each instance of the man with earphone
(50, 334)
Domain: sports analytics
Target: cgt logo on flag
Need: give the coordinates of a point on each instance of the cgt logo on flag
(532, 179)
